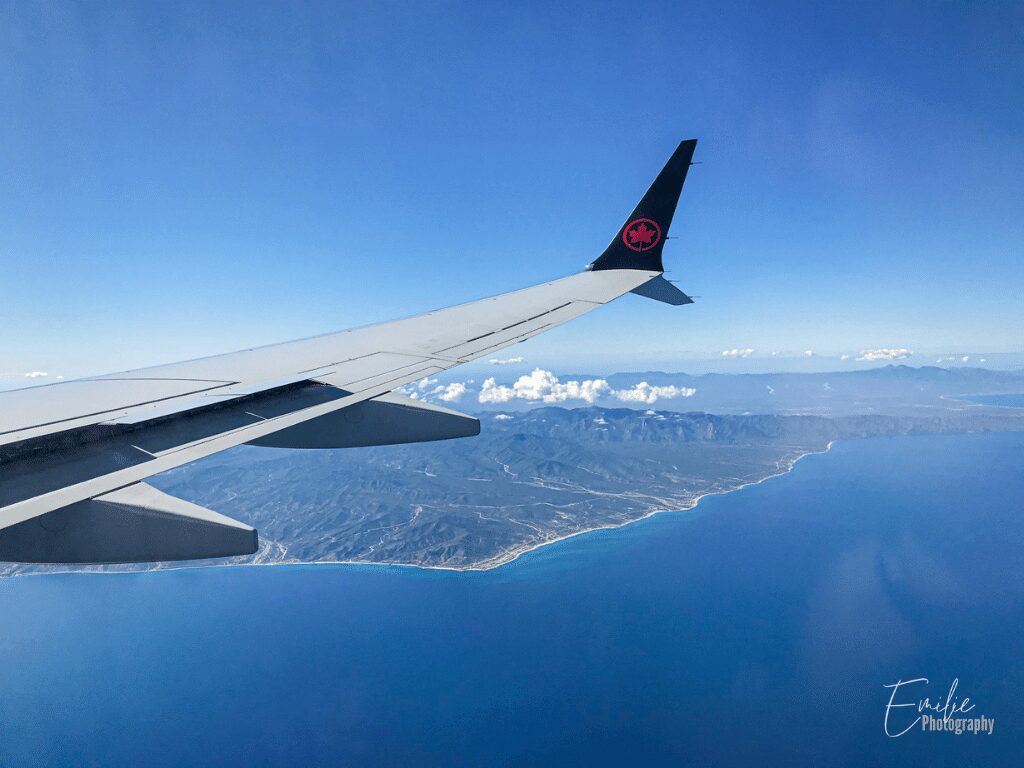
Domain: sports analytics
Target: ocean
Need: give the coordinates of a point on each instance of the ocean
(760, 628)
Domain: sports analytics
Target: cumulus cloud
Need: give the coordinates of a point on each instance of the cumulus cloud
(544, 386)
(885, 353)
(645, 393)
(737, 352)
(451, 393)
(502, 417)
(844, 357)
(36, 374)
(506, 361)
(492, 392)
(429, 390)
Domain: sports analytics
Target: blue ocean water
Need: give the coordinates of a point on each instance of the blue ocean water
(758, 629)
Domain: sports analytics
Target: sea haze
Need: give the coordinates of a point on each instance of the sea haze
(761, 626)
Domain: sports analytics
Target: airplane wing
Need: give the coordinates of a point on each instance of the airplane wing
(74, 455)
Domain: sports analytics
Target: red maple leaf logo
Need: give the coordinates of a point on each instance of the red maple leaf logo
(641, 234)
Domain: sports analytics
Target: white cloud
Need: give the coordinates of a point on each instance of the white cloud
(502, 417)
(844, 357)
(427, 390)
(771, 391)
(507, 361)
(737, 352)
(544, 386)
(492, 392)
(645, 393)
(963, 359)
(809, 352)
(885, 353)
(452, 393)
(36, 374)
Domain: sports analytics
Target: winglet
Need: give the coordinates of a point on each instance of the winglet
(639, 241)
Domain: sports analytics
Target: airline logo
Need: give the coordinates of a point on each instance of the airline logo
(641, 234)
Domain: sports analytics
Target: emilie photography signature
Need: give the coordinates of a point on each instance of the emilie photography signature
(946, 714)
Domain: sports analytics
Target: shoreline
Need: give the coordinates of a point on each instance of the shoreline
(498, 561)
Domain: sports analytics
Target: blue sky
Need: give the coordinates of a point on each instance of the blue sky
(190, 178)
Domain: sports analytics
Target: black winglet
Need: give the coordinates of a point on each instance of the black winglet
(639, 241)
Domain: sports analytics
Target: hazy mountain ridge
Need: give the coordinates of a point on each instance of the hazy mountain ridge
(891, 389)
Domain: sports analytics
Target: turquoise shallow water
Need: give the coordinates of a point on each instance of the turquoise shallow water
(758, 629)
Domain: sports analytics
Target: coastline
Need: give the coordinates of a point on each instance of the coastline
(493, 563)
(513, 555)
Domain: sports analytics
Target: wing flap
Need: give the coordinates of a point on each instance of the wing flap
(517, 331)
(33, 411)
(378, 369)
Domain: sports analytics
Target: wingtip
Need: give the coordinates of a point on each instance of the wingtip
(639, 242)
